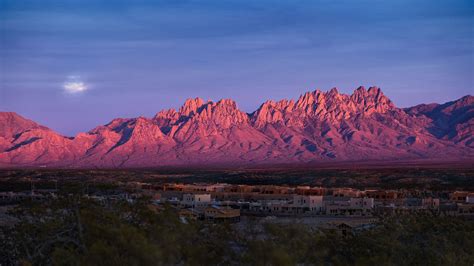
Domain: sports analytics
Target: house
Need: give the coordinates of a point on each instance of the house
(173, 187)
(364, 203)
(306, 190)
(459, 196)
(430, 203)
(220, 213)
(274, 190)
(196, 200)
(303, 203)
(269, 206)
(381, 195)
(346, 192)
(217, 187)
(349, 207)
(238, 189)
(299, 205)
(189, 214)
(204, 187)
(470, 198)
(153, 195)
(465, 209)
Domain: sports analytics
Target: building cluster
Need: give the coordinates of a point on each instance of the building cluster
(200, 206)
(271, 200)
(218, 202)
(9, 197)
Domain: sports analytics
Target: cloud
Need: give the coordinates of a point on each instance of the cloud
(73, 85)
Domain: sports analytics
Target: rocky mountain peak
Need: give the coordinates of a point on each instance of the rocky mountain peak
(12, 123)
(371, 100)
(223, 112)
(309, 98)
(228, 104)
(191, 106)
(334, 92)
(318, 126)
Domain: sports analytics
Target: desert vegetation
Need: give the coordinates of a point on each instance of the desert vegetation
(73, 230)
(435, 178)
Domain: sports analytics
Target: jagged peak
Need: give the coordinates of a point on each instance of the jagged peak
(141, 119)
(463, 102)
(285, 104)
(198, 101)
(191, 106)
(227, 103)
(116, 125)
(379, 96)
(468, 99)
(224, 113)
(333, 96)
(371, 98)
(142, 123)
(117, 121)
(282, 104)
(330, 104)
(308, 98)
(221, 107)
(371, 90)
(332, 92)
(166, 114)
(268, 103)
(359, 94)
(374, 90)
(360, 91)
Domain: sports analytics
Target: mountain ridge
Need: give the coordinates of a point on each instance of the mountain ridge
(317, 127)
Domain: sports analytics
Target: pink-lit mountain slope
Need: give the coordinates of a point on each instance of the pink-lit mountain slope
(452, 121)
(318, 127)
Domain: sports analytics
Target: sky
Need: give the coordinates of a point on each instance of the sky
(74, 64)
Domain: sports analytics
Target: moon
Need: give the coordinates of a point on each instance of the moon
(74, 85)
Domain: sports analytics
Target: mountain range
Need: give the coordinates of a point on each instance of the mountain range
(318, 127)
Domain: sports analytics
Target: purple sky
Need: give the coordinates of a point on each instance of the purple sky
(73, 65)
